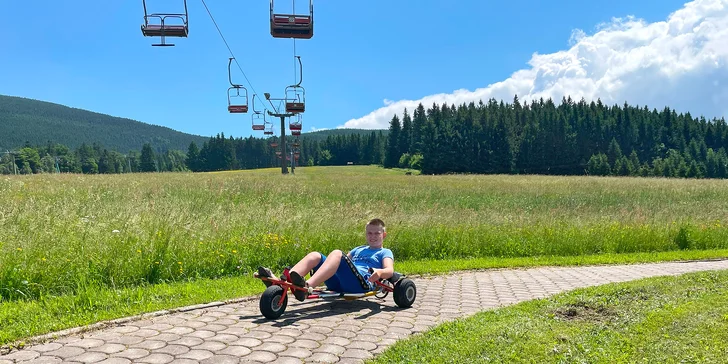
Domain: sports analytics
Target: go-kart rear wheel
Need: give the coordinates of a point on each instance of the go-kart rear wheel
(405, 293)
(269, 306)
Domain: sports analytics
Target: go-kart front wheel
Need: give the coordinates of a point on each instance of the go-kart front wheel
(269, 306)
(405, 293)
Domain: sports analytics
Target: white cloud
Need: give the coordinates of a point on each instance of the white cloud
(680, 63)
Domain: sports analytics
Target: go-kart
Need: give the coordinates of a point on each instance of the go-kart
(274, 300)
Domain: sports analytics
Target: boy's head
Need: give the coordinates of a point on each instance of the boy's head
(376, 232)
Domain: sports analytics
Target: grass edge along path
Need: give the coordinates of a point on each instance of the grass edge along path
(662, 319)
(29, 322)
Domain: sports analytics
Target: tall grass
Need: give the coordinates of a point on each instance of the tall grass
(64, 234)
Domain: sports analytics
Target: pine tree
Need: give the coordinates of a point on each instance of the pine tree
(147, 163)
(193, 158)
(392, 155)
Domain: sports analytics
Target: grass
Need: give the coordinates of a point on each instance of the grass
(26, 318)
(664, 319)
(83, 238)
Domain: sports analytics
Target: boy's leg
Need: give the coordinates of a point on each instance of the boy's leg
(351, 280)
(326, 270)
(310, 261)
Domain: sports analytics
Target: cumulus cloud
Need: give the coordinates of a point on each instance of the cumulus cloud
(679, 62)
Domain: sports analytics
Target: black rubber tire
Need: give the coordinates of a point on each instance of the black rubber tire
(405, 293)
(269, 302)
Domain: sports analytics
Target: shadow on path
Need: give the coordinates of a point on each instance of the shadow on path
(322, 309)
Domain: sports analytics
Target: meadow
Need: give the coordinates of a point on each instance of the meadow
(80, 244)
(670, 319)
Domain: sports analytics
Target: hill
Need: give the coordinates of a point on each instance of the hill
(23, 119)
(321, 135)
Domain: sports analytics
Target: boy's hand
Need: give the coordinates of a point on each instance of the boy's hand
(375, 276)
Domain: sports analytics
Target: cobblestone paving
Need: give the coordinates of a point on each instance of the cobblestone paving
(326, 331)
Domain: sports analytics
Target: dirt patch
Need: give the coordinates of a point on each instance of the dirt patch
(583, 311)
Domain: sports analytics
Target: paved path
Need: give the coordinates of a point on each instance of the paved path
(321, 331)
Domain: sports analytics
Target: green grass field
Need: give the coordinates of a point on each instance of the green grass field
(655, 320)
(99, 247)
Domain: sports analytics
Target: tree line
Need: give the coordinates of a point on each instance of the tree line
(89, 159)
(573, 138)
(219, 153)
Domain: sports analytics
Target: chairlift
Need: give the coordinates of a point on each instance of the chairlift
(268, 128)
(274, 145)
(297, 124)
(237, 108)
(295, 132)
(292, 25)
(259, 122)
(258, 118)
(296, 95)
(164, 29)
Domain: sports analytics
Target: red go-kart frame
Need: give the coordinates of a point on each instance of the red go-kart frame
(274, 300)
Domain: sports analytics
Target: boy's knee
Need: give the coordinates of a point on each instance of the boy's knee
(336, 252)
(314, 255)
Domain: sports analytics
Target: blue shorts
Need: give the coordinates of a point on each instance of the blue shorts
(347, 278)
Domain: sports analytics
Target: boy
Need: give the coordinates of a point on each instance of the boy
(345, 272)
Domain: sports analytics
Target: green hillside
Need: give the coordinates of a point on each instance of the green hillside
(321, 135)
(37, 122)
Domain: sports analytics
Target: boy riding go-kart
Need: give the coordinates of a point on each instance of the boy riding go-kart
(364, 271)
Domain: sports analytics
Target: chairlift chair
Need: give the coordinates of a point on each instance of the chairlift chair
(259, 121)
(240, 107)
(295, 99)
(268, 128)
(297, 124)
(295, 132)
(164, 29)
(258, 117)
(296, 26)
(296, 94)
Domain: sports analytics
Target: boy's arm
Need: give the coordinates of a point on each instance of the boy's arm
(388, 270)
(383, 273)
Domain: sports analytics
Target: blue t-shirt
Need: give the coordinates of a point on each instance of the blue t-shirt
(364, 257)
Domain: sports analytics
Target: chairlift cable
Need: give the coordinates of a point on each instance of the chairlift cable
(255, 94)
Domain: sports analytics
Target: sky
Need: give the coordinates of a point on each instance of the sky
(367, 61)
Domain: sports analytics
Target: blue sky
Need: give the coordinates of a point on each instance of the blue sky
(91, 54)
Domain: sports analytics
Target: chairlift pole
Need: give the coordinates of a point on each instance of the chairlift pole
(15, 166)
(282, 143)
(283, 116)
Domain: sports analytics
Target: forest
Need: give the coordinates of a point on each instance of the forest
(573, 138)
